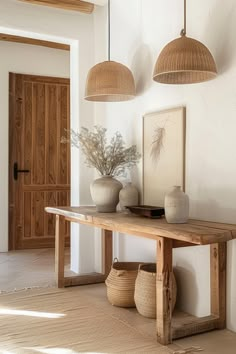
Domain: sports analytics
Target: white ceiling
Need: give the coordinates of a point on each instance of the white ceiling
(97, 2)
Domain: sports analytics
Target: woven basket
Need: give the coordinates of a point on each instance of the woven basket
(121, 282)
(145, 290)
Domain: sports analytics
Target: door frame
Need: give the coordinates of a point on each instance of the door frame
(73, 45)
(75, 71)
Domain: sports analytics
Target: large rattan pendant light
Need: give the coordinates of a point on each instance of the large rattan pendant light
(184, 61)
(109, 81)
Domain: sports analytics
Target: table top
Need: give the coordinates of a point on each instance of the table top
(197, 232)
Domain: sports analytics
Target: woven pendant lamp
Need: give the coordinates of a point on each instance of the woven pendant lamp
(184, 61)
(109, 81)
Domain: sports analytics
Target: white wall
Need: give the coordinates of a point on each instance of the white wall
(138, 33)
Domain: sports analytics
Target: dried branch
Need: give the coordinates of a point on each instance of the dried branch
(109, 159)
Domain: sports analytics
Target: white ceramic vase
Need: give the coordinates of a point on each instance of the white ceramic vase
(128, 196)
(176, 206)
(105, 193)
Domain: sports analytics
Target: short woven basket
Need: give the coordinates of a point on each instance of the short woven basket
(121, 282)
(145, 290)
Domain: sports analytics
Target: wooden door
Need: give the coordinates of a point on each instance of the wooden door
(38, 114)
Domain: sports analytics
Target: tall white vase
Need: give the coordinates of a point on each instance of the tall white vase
(176, 206)
(128, 196)
(105, 193)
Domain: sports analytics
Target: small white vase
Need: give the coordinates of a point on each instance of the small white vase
(176, 206)
(128, 196)
(105, 193)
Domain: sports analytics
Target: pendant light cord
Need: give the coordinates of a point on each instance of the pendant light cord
(183, 31)
(109, 30)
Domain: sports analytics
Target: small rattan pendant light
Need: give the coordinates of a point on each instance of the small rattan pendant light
(184, 61)
(109, 81)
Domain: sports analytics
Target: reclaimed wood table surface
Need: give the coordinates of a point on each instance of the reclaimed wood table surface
(167, 237)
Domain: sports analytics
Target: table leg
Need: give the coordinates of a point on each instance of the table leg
(218, 282)
(106, 251)
(59, 250)
(164, 290)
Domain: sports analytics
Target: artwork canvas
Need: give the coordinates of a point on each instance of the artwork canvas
(163, 154)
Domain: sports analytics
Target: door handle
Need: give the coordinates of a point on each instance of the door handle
(16, 171)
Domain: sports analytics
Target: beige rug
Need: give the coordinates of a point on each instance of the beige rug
(70, 321)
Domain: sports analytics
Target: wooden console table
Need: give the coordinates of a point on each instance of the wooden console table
(167, 236)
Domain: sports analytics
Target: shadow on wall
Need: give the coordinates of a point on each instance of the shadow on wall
(142, 68)
(222, 19)
(187, 291)
(140, 252)
(231, 286)
(212, 210)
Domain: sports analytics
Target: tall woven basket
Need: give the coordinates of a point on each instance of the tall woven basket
(145, 290)
(121, 282)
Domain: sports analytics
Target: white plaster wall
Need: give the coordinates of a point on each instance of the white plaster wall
(137, 36)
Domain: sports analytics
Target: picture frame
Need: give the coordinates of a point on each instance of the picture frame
(164, 135)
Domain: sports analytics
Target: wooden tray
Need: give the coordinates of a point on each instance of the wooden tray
(147, 210)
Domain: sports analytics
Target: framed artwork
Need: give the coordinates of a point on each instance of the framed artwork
(163, 154)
